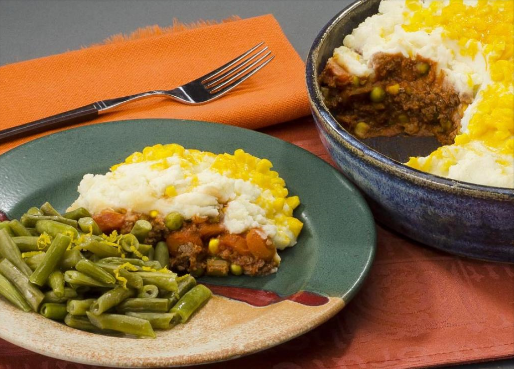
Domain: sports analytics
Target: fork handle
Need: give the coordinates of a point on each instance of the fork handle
(78, 115)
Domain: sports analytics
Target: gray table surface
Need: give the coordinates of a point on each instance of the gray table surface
(35, 28)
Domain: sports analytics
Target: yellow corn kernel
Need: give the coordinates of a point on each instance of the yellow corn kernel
(170, 191)
(278, 204)
(114, 167)
(280, 192)
(239, 154)
(214, 246)
(136, 157)
(264, 165)
(278, 182)
(293, 202)
(393, 89)
(160, 165)
(295, 225)
(154, 214)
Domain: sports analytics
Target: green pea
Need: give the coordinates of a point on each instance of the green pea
(173, 221)
(377, 94)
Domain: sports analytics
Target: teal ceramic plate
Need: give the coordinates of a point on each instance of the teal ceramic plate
(316, 279)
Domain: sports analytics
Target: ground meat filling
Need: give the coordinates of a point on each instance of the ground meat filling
(201, 245)
(402, 96)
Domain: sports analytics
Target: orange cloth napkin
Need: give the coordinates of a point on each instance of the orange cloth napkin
(164, 59)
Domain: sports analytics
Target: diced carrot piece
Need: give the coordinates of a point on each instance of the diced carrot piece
(109, 220)
(182, 237)
(235, 242)
(210, 229)
(258, 246)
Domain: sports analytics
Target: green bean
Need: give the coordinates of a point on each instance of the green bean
(217, 267)
(81, 290)
(30, 293)
(133, 280)
(69, 293)
(88, 267)
(53, 228)
(133, 261)
(193, 300)
(5, 225)
(162, 254)
(94, 258)
(10, 251)
(79, 307)
(172, 298)
(122, 323)
(110, 299)
(88, 225)
(173, 221)
(30, 220)
(81, 279)
(18, 228)
(52, 259)
(56, 283)
(79, 322)
(77, 213)
(110, 268)
(148, 291)
(141, 229)
(34, 211)
(72, 277)
(33, 232)
(145, 249)
(164, 281)
(28, 243)
(100, 248)
(48, 209)
(53, 311)
(184, 284)
(34, 261)
(151, 305)
(71, 258)
(151, 253)
(157, 320)
(8, 291)
(129, 242)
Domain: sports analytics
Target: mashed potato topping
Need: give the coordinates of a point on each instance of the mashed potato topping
(239, 188)
(472, 44)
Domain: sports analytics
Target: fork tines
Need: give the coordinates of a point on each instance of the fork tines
(236, 71)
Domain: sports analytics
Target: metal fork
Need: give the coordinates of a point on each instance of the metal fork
(199, 91)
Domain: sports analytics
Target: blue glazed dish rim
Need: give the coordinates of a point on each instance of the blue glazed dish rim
(367, 153)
